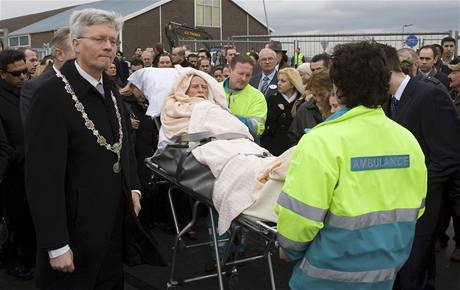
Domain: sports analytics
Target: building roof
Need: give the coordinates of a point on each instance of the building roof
(124, 8)
(127, 9)
(15, 23)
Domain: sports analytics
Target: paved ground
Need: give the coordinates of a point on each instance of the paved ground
(253, 276)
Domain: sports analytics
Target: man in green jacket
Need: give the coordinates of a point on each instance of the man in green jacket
(245, 101)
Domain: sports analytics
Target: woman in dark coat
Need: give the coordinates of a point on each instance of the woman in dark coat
(314, 110)
(144, 137)
(281, 109)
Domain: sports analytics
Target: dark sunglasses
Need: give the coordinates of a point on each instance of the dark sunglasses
(17, 73)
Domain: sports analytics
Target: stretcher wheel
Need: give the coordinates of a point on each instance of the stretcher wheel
(170, 286)
(234, 281)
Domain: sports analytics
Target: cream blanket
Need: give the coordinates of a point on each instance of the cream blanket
(248, 179)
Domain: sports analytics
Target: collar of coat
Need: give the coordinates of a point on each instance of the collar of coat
(81, 86)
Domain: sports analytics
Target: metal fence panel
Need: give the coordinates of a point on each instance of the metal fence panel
(312, 44)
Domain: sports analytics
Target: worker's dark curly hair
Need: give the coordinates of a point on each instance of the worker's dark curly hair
(360, 73)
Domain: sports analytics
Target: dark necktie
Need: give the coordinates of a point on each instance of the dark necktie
(393, 105)
(266, 81)
(100, 89)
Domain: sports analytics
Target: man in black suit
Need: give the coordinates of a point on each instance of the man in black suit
(428, 113)
(21, 253)
(62, 51)
(81, 177)
(266, 80)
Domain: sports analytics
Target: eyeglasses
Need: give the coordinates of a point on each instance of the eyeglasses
(101, 40)
(18, 73)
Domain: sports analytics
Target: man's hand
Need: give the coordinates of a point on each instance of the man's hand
(136, 202)
(63, 263)
(135, 123)
(283, 255)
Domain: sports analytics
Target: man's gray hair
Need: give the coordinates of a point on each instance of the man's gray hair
(268, 51)
(407, 54)
(61, 40)
(81, 19)
(179, 50)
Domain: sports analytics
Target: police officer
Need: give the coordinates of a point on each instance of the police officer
(355, 187)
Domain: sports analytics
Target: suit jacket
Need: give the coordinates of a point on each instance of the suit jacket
(428, 113)
(440, 79)
(73, 192)
(29, 89)
(255, 80)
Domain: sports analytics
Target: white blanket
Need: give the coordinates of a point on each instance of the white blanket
(156, 84)
(240, 170)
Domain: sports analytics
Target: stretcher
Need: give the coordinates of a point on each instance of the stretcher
(224, 265)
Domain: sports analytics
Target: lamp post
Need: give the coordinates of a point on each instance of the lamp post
(403, 27)
(266, 18)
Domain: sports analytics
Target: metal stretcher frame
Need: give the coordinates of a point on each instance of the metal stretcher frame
(263, 229)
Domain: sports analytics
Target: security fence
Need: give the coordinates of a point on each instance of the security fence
(312, 44)
(240, 45)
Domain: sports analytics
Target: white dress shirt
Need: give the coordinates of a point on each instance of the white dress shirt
(401, 88)
(270, 76)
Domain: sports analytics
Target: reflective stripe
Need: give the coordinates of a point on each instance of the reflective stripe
(290, 244)
(258, 119)
(302, 209)
(353, 277)
(372, 219)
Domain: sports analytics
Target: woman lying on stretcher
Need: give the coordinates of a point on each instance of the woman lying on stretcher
(245, 181)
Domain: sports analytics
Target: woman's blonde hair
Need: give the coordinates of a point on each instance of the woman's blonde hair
(296, 81)
(294, 78)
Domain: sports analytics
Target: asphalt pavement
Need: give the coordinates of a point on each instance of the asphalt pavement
(251, 276)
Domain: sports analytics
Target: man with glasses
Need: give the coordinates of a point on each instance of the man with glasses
(20, 253)
(82, 183)
(266, 80)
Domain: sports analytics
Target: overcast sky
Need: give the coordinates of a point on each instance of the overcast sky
(326, 16)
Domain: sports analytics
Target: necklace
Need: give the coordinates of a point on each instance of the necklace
(115, 147)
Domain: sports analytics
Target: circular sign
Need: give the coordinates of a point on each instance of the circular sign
(411, 40)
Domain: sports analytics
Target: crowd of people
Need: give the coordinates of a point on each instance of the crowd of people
(74, 134)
